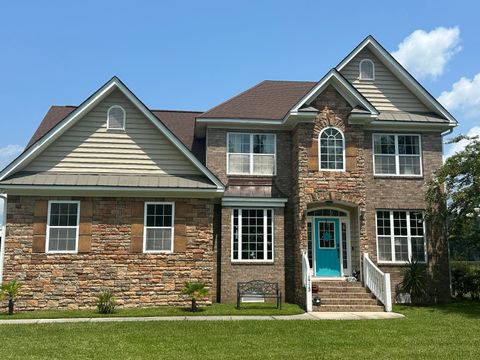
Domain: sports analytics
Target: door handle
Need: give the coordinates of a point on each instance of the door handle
(338, 253)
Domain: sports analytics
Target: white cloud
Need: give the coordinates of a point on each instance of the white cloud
(425, 54)
(8, 153)
(464, 96)
(459, 146)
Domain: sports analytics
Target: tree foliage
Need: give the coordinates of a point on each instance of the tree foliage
(454, 193)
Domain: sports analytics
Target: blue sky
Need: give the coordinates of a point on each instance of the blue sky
(194, 54)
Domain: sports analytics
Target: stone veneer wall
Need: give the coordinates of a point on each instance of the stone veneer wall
(315, 186)
(60, 281)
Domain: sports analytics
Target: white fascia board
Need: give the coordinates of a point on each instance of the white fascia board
(342, 85)
(404, 76)
(253, 202)
(88, 105)
(109, 191)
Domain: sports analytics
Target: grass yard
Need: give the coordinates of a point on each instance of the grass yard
(215, 309)
(441, 332)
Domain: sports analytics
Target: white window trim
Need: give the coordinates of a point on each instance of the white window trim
(124, 118)
(392, 238)
(251, 154)
(320, 150)
(264, 260)
(360, 70)
(145, 227)
(77, 228)
(397, 156)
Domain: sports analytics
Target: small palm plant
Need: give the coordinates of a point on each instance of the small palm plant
(10, 291)
(414, 281)
(195, 291)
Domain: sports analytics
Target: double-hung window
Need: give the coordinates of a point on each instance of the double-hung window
(252, 235)
(62, 226)
(400, 236)
(251, 154)
(397, 154)
(159, 223)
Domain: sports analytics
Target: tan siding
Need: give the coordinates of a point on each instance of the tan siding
(89, 147)
(386, 93)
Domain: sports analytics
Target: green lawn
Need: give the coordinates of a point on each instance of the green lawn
(442, 332)
(215, 309)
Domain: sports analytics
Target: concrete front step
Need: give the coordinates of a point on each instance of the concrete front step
(347, 295)
(348, 308)
(340, 290)
(344, 296)
(344, 301)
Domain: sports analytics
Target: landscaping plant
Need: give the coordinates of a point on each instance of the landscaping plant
(195, 291)
(106, 303)
(10, 291)
(414, 281)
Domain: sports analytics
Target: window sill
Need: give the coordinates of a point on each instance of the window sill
(252, 262)
(61, 252)
(251, 175)
(153, 252)
(399, 177)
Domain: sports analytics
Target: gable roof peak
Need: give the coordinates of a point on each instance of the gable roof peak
(402, 74)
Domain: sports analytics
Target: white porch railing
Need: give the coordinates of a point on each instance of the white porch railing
(378, 282)
(307, 281)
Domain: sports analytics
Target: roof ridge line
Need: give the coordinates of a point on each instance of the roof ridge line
(234, 97)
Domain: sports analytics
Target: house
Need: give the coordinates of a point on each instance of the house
(307, 184)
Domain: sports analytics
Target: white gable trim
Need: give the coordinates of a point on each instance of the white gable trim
(85, 107)
(334, 78)
(401, 73)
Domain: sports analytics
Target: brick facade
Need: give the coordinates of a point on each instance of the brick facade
(60, 281)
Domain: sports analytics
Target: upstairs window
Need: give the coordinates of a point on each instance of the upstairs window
(251, 154)
(116, 117)
(367, 70)
(332, 149)
(62, 226)
(397, 155)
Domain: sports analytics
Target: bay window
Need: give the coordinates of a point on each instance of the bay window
(397, 154)
(251, 154)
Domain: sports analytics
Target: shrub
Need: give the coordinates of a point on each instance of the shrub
(414, 281)
(195, 291)
(10, 291)
(106, 303)
(466, 280)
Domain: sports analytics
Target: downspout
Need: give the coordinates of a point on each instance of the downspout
(3, 234)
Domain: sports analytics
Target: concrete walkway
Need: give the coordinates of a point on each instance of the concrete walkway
(306, 316)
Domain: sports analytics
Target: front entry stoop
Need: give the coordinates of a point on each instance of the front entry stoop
(343, 296)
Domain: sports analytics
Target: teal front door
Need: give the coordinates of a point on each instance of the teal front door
(327, 246)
